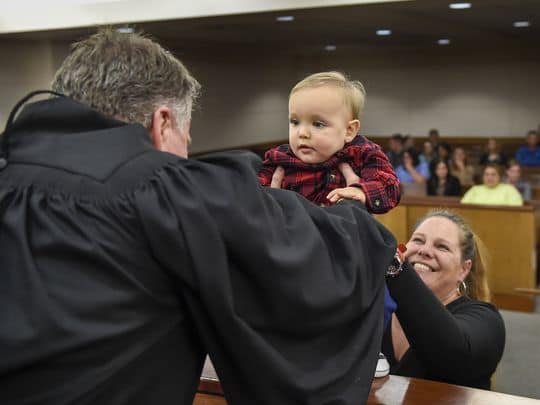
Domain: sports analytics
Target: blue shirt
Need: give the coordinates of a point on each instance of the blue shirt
(405, 177)
(528, 157)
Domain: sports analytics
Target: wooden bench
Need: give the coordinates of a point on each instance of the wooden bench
(509, 234)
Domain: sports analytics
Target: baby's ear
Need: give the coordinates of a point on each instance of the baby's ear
(352, 130)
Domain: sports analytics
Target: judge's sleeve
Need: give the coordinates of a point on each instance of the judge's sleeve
(287, 297)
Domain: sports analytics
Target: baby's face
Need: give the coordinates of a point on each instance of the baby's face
(319, 123)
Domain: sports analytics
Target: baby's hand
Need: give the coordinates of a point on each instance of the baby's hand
(277, 177)
(350, 193)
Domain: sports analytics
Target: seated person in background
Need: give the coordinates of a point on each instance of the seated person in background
(460, 168)
(428, 153)
(444, 328)
(123, 263)
(408, 141)
(493, 154)
(529, 154)
(513, 177)
(441, 182)
(492, 191)
(324, 120)
(434, 137)
(444, 151)
(412, 170)
(395, 149)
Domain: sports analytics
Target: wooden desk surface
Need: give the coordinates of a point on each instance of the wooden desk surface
(409, 391)
(398, 390)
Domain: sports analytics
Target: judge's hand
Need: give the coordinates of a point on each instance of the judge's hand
(277, 177)
(351, 193)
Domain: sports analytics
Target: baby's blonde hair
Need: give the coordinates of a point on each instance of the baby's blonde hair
(353, 91)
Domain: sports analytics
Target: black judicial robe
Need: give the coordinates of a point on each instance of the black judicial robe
(122, 266)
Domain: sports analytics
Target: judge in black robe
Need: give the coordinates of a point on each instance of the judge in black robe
(122, 266)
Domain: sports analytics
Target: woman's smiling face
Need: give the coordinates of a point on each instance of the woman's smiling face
(434, 251)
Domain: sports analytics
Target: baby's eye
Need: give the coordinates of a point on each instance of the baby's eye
(293, 121)
(319, 124)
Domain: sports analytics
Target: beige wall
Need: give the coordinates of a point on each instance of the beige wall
(245, 93)
(245, 99)
(25, 66)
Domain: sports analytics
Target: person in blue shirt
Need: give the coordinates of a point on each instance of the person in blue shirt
(412, 170)
(513, 177)
(529, 154)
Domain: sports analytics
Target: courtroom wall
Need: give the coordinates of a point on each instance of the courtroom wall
(245, 100)
(26, 66)
(245, 91)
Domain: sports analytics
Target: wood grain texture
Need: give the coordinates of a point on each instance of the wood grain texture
(409, 391)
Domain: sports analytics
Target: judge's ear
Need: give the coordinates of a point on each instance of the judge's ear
(352, 129)
(161, 126)
(166, 135)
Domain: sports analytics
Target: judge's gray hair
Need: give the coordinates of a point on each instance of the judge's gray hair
(127, 76)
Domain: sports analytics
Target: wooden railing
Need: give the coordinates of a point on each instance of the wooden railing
(474, 145)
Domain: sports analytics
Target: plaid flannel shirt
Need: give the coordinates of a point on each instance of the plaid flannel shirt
(314, 181)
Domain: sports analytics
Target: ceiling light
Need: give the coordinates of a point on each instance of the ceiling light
(330, 48)
(443, 41)
(383, 32)
(521, 24)
(285, 18)
(459, 6)
(125, 30)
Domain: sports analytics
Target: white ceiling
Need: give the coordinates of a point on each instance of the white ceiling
(415, 25)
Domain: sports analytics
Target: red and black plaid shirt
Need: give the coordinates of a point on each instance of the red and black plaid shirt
(314, 181)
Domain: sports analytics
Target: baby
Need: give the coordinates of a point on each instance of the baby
(325, 148)
(327, 159)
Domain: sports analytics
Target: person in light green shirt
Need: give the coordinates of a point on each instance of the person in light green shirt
(492, 192)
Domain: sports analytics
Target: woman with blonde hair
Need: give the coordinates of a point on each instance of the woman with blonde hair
(444, 328)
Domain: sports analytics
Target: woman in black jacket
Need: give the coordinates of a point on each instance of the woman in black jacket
(444, 328)
(442, 182)
(493, 154)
